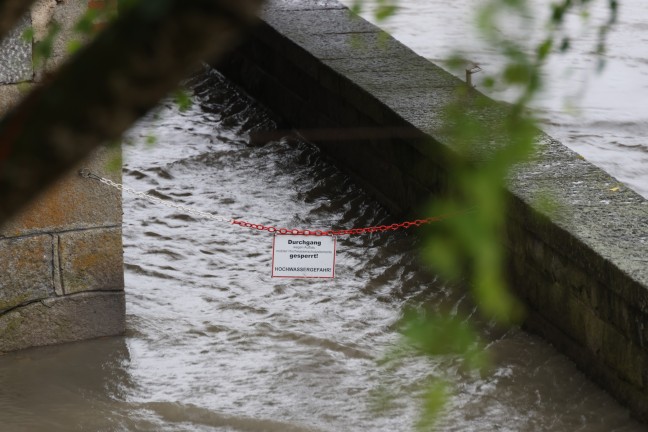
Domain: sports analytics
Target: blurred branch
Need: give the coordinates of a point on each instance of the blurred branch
(10, 13)
(108, 85)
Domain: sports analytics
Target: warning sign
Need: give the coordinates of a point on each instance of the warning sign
(301, 256)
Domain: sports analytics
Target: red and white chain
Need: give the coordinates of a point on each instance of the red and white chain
(271, 229)
(352, 231)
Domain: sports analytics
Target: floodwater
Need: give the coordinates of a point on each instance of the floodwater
(602, 116)
(215, 344)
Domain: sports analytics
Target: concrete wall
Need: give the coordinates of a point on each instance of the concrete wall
(61, 265)
(582, 273)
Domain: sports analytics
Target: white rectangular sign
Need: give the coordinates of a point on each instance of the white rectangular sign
(301, 256)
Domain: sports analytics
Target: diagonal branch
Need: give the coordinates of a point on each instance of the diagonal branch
(100, 93)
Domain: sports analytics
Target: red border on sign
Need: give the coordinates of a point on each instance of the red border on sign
(304, 277)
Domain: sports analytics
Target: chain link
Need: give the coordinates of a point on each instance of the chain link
(271, 229)
(206, 215)
(352, 231)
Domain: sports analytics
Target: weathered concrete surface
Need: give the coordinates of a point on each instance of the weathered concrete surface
(63, 319)
(66, 14)
(582, 271)
(42, 12)
(16, 55)
(9, 96)
(89, 260)
(74, 202)
(25, 270)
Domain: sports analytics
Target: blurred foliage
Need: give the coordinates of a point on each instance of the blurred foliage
(86, 26)
(443, 334)
(488, 139)
(433, 401)
(42, 50)
(182, 98)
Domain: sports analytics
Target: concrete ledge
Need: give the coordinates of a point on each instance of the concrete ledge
(63, 319)
(583, 272)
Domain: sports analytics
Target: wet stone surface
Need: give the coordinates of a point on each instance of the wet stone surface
(25, 270)
(16, 55)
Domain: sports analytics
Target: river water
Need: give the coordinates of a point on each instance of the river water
(215, 344)
(603, 116)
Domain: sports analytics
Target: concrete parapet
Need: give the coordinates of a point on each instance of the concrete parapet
(583, 272)
(61, 261)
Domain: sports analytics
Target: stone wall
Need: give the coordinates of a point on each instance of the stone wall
(61, 265)
(582, 272)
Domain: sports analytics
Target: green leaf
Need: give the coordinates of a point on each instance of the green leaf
(385, 11)
(86, 24)
(73, 46)
(488, 82)
(438, 334)
(28, 34)
(434, 401)
(114, 165)
(544, 49)
(516, 73)
(356, 7)
(182, 99)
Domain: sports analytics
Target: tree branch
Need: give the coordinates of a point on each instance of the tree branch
(100, 93)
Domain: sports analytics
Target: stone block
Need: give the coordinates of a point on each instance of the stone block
(26, 268)
(74, 202)
(620, 353)
(16, 55)
(63, 319)
(91, 260)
